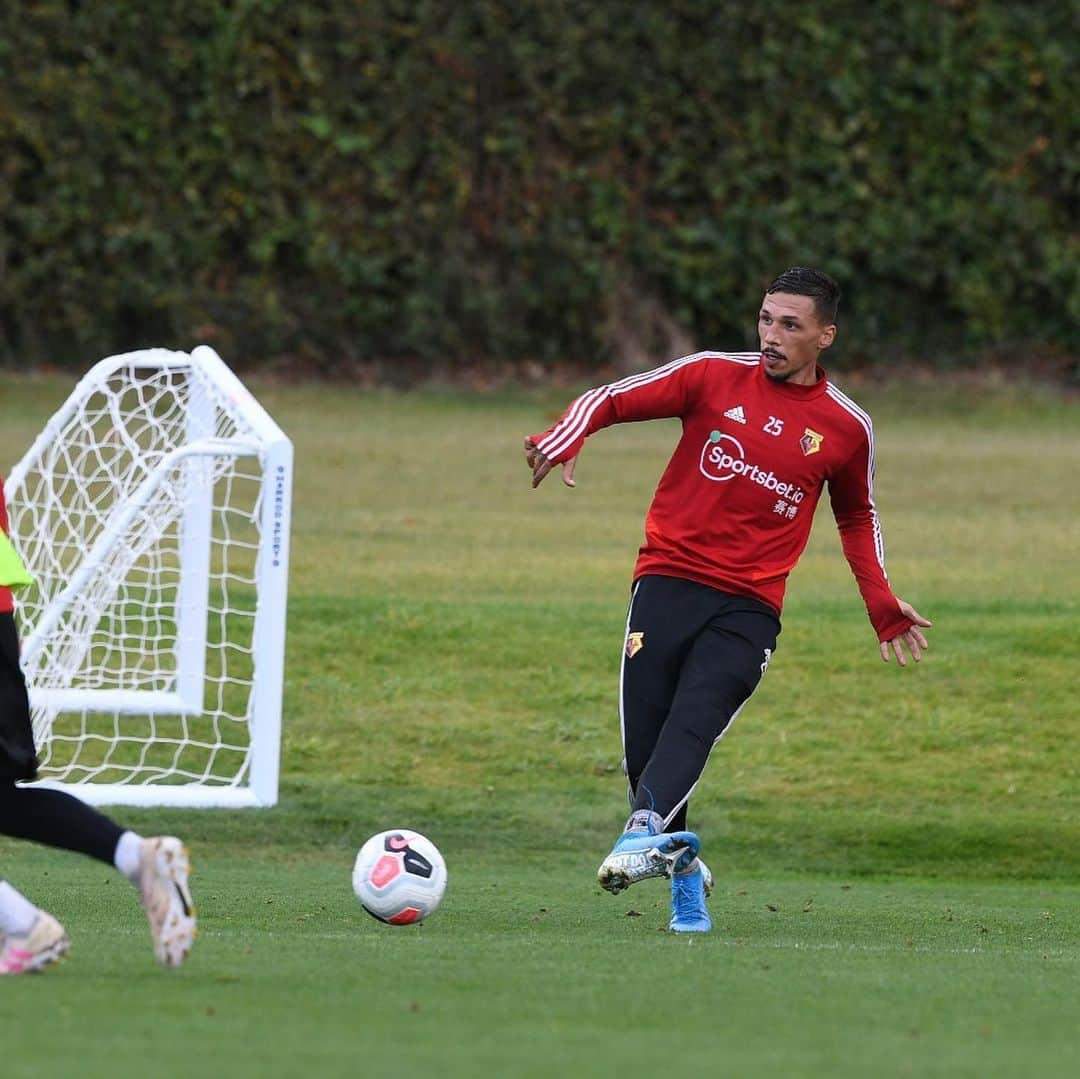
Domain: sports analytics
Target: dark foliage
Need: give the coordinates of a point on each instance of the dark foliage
(535, 180)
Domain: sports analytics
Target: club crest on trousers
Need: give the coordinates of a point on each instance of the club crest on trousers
(635, 642)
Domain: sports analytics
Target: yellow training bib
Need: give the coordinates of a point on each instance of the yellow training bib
(13, 574)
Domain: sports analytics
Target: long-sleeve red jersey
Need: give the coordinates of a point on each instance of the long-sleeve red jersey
(734, 507)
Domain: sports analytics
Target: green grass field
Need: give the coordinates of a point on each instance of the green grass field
(897, 852)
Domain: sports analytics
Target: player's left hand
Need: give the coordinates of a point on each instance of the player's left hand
(913, 637)
(541, 466)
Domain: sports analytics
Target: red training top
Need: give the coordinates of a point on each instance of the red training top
(734, 507)
(7, 600)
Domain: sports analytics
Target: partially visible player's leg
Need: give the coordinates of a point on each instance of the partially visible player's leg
(31, 939)
(158, 867)
(57, 819)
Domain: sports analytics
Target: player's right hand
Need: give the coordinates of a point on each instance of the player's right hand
(541, 466)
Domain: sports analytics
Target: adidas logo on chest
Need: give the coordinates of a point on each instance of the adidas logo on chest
(736, 414)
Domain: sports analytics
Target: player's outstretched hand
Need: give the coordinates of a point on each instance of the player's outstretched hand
(913, 638)
(541, 466)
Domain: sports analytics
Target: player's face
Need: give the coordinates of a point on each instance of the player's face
(792, 337)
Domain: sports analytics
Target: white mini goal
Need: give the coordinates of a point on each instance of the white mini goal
(153, 513)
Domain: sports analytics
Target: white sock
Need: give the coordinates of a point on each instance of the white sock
(128, 856)
(17, 913)
(646, 821)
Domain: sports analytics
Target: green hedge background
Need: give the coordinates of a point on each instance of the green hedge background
(544, 180)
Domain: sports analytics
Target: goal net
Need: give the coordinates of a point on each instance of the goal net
(153, 514)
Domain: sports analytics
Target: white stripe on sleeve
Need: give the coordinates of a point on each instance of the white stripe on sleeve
(849, 406)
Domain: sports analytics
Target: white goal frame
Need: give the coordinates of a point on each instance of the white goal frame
(159, 495)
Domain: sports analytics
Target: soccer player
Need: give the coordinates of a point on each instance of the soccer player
(32, 939)
(762, 434)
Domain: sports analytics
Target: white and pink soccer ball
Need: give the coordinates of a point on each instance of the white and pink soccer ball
(399, 877)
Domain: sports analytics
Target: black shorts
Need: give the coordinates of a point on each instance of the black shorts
(18, 760)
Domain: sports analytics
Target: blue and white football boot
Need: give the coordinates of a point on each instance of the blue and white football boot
(688, 892)
(706, 877)
(639, 855)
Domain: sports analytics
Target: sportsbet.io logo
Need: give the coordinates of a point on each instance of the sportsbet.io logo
(723, 458)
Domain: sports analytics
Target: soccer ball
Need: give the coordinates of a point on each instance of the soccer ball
(399, 877)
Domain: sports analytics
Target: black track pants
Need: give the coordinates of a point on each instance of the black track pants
(57, 819)
(692, 657)
(52, 817)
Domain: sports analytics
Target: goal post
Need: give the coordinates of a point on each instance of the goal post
(153, 513)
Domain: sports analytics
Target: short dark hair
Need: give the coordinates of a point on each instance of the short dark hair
(820, 287)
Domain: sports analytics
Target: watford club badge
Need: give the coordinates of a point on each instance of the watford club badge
(811, 442)
(635, 642)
